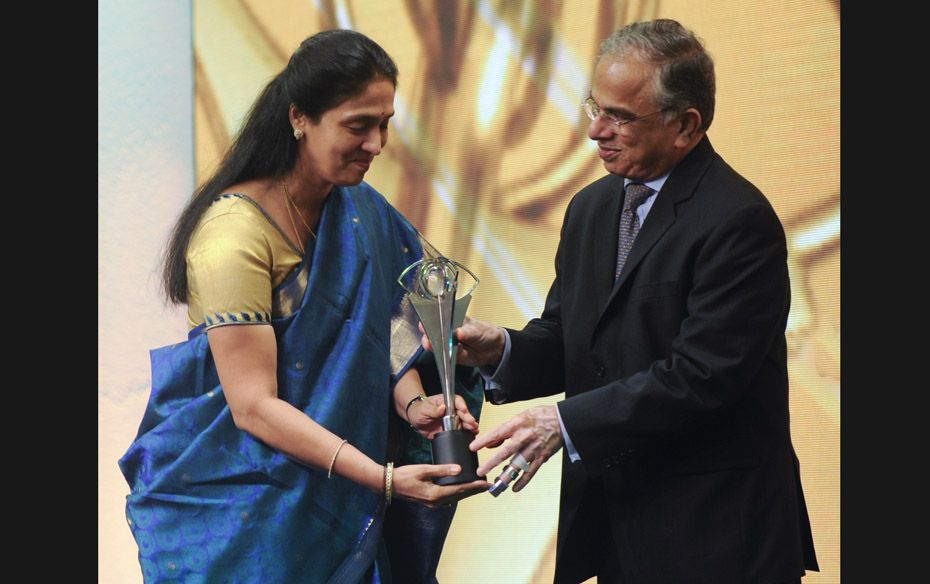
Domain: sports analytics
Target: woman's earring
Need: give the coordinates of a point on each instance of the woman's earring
(298, 133)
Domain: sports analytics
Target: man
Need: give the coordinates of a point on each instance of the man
(669, 344)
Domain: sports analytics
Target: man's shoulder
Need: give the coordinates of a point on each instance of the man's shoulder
(595, 191)
(706, 175)
(728, 187)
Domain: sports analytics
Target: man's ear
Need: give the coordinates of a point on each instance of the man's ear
(689, 124)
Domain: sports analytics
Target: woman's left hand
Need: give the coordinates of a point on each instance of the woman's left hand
(426, 415)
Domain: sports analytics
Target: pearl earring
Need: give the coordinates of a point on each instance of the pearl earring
(298, 133)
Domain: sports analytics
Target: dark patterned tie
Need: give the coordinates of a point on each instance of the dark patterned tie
(636, 193)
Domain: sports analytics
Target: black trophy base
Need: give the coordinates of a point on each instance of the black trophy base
(451, 447)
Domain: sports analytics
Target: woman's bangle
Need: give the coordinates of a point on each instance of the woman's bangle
(388, 483)
(420, 397)
(332, 462)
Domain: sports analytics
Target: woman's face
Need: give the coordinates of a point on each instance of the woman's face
(339, 149)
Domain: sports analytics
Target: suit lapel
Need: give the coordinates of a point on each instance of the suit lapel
(605, 239)
(679, 187)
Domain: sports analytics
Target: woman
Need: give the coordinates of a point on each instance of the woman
(260, 457)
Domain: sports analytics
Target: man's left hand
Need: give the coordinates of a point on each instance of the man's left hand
(534, 432)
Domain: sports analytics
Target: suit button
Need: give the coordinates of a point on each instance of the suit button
(599, 371)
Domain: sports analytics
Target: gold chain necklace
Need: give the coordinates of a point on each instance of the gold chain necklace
(288, 199)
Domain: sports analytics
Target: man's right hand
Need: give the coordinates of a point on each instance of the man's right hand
(480, 343)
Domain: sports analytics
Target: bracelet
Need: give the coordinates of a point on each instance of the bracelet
(420, 397)
(388, 483)
(332, 462)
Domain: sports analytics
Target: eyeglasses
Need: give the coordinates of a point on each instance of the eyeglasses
(594, 111)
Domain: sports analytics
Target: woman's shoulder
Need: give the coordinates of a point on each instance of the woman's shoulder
(233, 220)
(244, 198)
(232, 202)
(240, 206)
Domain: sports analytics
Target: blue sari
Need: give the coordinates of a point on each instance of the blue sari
(211, 503)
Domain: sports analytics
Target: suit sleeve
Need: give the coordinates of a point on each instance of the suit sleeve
(737, 307)
(537, 359)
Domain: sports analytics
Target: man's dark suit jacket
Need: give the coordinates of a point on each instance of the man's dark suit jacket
(676, 383)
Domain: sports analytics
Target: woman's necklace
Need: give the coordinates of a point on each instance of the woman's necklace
(288, 199)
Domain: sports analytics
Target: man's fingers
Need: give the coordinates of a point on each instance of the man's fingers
(527, 476)
(499, 456)
(485, 441)
(496, 436)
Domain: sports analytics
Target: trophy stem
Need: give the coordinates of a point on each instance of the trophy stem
(448, 377)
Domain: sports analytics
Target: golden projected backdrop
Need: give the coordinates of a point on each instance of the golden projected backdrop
(488, 145)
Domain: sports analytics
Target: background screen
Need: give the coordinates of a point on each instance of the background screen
(487, 147)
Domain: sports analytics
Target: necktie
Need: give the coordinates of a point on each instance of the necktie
(636, 193)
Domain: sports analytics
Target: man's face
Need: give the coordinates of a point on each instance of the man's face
(644, 148)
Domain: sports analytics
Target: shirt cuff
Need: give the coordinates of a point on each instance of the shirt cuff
(497, 380)
(569, 447)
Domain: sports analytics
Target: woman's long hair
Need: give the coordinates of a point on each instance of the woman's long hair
(327, 69)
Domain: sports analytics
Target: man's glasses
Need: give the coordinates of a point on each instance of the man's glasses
(594, 112)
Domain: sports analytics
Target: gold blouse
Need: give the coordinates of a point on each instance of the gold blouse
(236, 257)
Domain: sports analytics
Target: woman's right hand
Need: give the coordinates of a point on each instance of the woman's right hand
(414, 483)
(426, 416)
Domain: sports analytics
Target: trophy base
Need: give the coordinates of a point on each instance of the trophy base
(451, 447)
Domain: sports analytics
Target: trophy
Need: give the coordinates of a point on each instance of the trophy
(439, 290)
